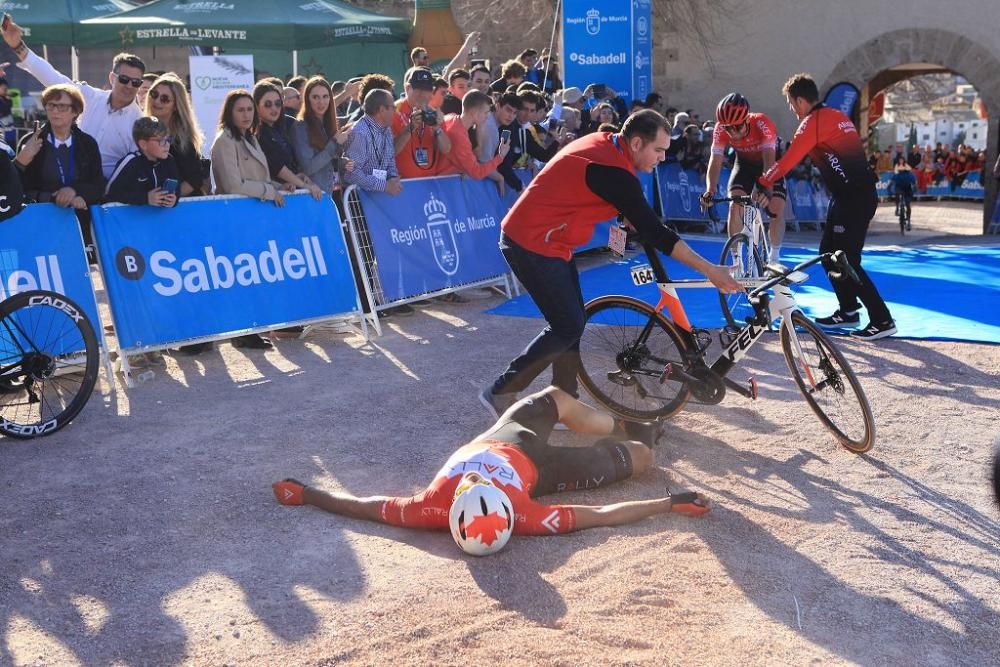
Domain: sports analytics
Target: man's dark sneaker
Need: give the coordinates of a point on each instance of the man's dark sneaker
(840, 319)
(875, 331)
(497, 404)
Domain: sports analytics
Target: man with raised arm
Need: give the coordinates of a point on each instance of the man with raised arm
(107, 116)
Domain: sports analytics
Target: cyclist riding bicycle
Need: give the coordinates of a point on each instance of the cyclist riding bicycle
(902, 186)
(755, 140)
(514, 458)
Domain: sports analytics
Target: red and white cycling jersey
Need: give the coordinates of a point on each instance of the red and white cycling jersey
(761, 136)
(508, 467)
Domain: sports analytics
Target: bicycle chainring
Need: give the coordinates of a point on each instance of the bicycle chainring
(710, 387)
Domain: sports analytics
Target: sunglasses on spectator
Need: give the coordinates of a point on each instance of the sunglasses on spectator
(125, 80)
(270, 104)
(163, 141)
(61, 107)
(163, 98)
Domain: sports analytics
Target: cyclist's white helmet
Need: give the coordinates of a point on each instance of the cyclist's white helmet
(481, 517)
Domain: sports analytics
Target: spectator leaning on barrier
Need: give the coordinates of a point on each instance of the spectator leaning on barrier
(370, 146)
(240, 168)
(238, 163)
(461, 159)
(60, 163)
(420, 143)
(317, 139)
(273, 132)
(107, 116)
(169, 102)
(141, 176)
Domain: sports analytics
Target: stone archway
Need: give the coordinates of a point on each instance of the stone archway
(980, 66)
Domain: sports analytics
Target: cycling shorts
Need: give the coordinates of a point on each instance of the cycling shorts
(745, 175)
(528, 425)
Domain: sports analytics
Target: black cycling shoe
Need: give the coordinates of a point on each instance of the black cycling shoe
(648, 433)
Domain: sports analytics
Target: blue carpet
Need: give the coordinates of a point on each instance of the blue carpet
(933, 293)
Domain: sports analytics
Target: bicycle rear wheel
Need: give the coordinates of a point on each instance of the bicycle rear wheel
(626, 354)
(828, 384)
(739, 251)
(48, 363)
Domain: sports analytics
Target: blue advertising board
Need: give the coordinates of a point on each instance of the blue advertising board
(843, 97)
(680, 190)
(213, 266)
(437, 233)
(802, 197)
(609, 42)
(41, 248)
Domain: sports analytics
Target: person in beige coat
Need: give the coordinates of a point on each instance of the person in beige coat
(238, 162)
(240, 168)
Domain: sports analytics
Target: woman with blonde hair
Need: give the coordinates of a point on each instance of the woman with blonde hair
(168, 101)
(317, 139)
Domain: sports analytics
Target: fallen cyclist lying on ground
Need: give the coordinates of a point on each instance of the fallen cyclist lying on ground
(486, 490)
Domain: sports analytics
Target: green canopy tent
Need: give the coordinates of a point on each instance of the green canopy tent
(268, 29)
(54, 22)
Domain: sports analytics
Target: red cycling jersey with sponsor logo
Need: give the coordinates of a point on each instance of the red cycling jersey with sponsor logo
(508, 467)
(760, 136)
(831, 140)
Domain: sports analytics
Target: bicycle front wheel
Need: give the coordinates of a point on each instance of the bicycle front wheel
(627, 353)
(48, 363)
(741, 253)
(828, 384)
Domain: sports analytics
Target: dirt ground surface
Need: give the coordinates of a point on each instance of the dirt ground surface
(146, 533)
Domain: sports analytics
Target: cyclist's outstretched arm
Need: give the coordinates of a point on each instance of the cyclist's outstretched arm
(594, 516)
(345, 504)
(712, 176)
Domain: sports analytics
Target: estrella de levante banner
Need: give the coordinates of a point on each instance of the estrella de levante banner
(609, 42)
(41, 248)
(211, 266)
(437, 233)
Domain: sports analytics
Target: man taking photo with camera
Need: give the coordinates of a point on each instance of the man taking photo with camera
(419, 140)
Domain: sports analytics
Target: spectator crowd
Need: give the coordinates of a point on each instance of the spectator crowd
(930, 166)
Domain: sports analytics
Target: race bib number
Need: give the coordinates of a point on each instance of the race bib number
(643, 274)
(616, 240)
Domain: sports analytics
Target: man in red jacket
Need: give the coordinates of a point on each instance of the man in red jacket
(462, 159)
(591, 180)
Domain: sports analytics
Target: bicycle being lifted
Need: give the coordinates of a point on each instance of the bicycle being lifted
(48, 363)
(643, 365)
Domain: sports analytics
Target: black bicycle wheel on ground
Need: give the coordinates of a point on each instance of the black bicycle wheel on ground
(829, 385)
(736, 307)
(626, 352)
(48, 363)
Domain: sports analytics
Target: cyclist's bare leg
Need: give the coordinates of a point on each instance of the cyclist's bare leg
(581, 418)
(735, 225)
(776, 231)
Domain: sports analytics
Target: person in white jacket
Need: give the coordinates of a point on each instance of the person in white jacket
(108, 116)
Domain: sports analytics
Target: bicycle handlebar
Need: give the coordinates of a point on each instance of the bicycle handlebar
(736, 199)
(838, 258)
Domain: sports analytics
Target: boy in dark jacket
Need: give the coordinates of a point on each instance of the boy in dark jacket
(139, 177)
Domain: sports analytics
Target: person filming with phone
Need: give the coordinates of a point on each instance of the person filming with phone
(107, 116)
(148, 175)
(462, 159)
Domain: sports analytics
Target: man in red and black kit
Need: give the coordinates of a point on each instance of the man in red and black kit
(830, 138)
(591, 180)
